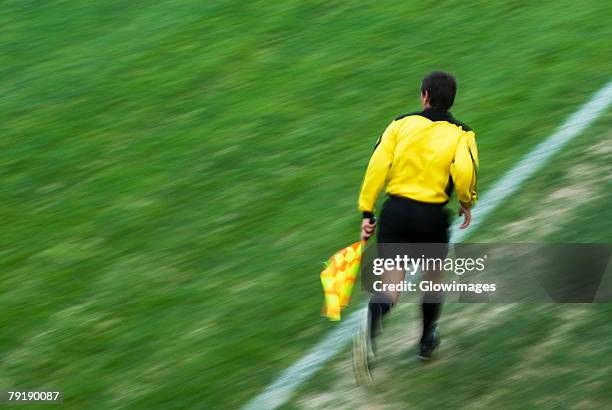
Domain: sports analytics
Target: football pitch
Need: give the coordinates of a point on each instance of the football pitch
(174, 174)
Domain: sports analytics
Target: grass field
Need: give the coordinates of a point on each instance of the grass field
(507, 355)
(174, 173)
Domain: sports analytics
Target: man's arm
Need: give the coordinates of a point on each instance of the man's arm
(376, 174)
(464, 172)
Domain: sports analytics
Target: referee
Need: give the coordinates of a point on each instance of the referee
(421, 158)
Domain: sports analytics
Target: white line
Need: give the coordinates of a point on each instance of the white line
(280, 391)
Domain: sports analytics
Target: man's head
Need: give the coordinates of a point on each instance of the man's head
(438, 91)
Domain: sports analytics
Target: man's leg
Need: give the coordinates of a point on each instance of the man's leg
(370, 326)
(382, 302)
(431, 308)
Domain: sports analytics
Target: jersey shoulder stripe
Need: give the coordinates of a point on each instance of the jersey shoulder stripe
(435, 116)
(460, 124)
(408, 115)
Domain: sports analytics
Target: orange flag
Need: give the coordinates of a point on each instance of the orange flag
(338, 279)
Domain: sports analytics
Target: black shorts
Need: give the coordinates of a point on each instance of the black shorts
(407, 221)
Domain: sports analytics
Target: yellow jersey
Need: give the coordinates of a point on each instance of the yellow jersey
(423, 156)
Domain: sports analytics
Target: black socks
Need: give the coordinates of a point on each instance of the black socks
(431, 313)
(379, 306)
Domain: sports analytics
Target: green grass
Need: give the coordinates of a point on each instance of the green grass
(526, 356)
(174, 173)
(566, 202)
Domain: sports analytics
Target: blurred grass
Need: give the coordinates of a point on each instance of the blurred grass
(510, 356)
(174, 173)
(567, 201)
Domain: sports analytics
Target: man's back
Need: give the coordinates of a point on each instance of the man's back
(423, 156)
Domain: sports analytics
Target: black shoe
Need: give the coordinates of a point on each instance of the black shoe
(429, 343)
(363, 349)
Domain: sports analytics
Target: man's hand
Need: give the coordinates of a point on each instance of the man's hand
(467, 216)
(367, 229)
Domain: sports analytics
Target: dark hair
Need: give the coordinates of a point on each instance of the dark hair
(441, 88)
